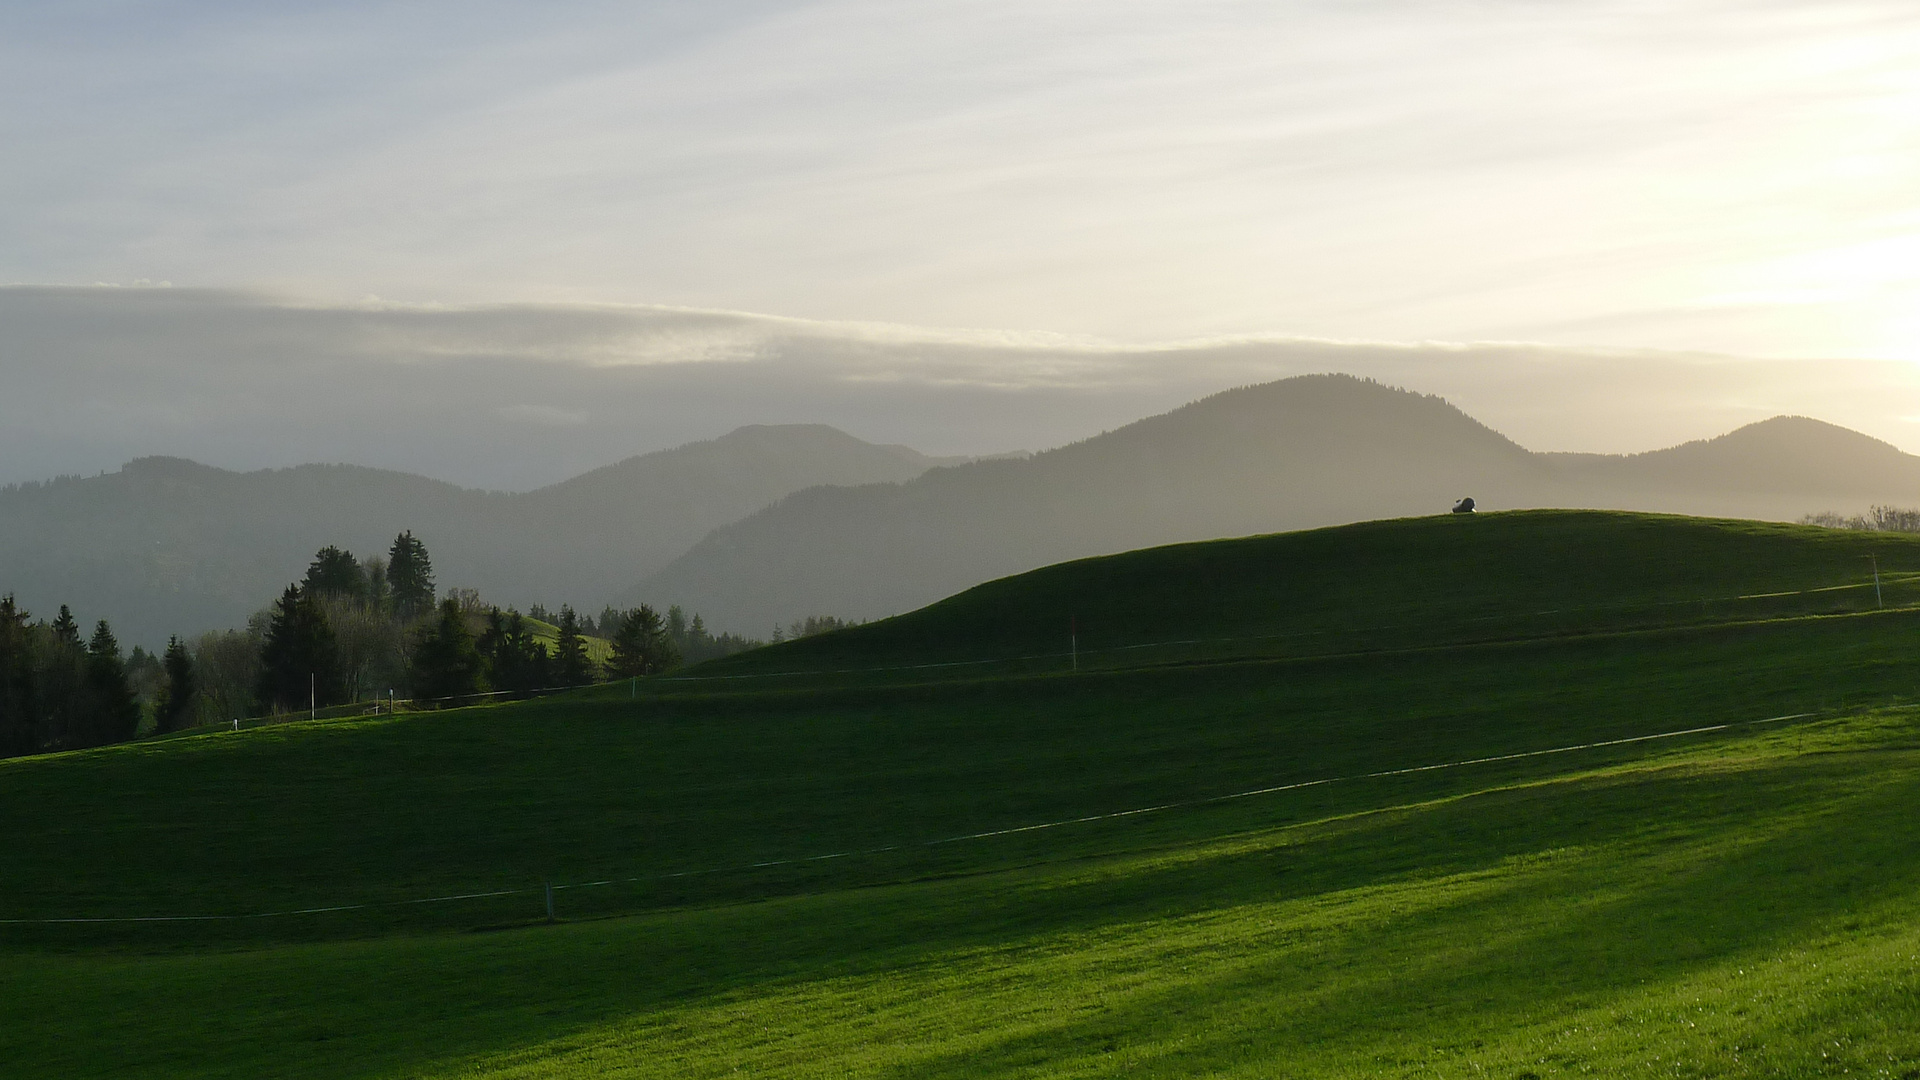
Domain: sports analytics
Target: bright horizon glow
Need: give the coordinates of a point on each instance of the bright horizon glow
(1730, 176)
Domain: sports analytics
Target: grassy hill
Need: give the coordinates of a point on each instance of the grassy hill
(1294, 454)
(1373, 586)
(1453, 852)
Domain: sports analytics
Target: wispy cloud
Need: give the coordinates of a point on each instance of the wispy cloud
(1702, 174)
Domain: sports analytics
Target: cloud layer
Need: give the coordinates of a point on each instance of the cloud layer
(512, 397)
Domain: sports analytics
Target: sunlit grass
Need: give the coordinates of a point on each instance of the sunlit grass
(1741, 910)
(1741, 901)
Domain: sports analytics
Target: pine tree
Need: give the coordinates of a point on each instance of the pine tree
(183, 687)
(410, 577)
(570, 664)
(446, 661)
(641, 645)
(19, 700)
(335, 573)
(299, 661)
(65, 630)
(62, 677)
(516, 661)
(111, 712)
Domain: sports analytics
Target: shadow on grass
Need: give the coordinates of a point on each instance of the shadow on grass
(1749, 865)
(1670, 870)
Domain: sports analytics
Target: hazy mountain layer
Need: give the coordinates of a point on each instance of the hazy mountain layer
(1300, 453)
(168, 546)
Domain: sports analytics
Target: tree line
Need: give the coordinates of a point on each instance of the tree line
(350, 630)
(1876, 519)
(59, 692)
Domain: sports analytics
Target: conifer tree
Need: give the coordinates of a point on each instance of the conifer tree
(446, 661)
(410, 576)
(641, 645)
(112, 712)
(19, 701)
(61, 675)
(516, 661)
(335, 573)
(571, 667)
(183, 687)
(299, 660)
(65, 630)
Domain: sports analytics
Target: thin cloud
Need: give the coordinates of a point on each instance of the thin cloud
(1601, 173)
(513, 397)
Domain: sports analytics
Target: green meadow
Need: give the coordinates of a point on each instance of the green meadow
(1532, 794)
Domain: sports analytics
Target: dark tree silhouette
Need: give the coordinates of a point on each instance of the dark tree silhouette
(298, 657)
(641, 645)
(183, 687)
(410, 577)
(516, 661)
(446, 661)
(19, 697)
(65, 630)
(571, 667)
(335, 573)
(62, 676)
(112, 712)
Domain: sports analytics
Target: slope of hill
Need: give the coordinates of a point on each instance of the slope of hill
(1560, 854)
(168, 546)
(1291, 454)
(1300, 453)
(1781, 468)
(1369, 587)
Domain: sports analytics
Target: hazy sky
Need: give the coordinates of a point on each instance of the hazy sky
(1723, 176)
(1733, 175)
(516, 396)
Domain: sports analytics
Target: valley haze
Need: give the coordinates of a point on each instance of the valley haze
(770, 524)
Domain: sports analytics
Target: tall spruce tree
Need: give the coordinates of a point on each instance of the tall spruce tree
(516, 660)
(111, 712)
(183, 688)
(65, 630)
(571, 667)
(641, 645)
(446, 661)
(19, 699)
(299, 661)
(62, 677)
(410, 576)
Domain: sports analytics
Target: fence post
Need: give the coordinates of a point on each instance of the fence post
(549, 901)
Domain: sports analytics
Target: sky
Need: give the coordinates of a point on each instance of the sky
(1647, 191)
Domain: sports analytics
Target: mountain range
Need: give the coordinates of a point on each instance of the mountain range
(168, 546)
(770, 524)
(1298, 453)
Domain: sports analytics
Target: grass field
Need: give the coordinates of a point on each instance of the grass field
(1742, 901)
